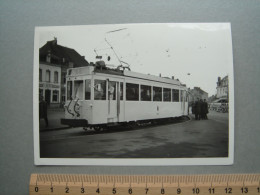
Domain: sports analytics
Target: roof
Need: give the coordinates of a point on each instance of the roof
(199, 90)
(60, 52)
(151, 78)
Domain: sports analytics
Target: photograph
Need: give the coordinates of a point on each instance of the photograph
(134, 94)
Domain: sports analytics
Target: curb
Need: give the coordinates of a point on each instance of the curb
(55, 129)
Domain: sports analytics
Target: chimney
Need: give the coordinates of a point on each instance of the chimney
(160, 75)
(172, 77)
(219, 79)
(54, 42)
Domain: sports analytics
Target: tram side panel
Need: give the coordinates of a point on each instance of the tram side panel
(141, 110)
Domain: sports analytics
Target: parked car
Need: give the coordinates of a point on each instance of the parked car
(219, 105)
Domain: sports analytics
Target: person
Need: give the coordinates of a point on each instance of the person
(43, 111)
(193, 107)
(203, 110)
(197, 108)
(206, 108)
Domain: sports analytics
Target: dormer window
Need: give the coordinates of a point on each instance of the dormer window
(48, 58)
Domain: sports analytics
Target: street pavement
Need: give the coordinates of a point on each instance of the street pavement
(193, 138)
(54, 116)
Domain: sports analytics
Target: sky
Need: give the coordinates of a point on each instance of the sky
(196, 54)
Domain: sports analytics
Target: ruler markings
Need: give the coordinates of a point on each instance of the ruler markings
(126, 185)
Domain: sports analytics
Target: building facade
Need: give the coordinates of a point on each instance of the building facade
(50, 83)
(54, 60)
(197, 93)
(222, 87)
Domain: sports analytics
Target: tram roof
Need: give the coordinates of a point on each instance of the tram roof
(89, 69)
(151, 77)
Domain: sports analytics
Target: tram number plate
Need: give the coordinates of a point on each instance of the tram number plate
(42, 184)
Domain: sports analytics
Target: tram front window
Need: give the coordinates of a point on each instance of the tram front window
(87, 89)
(78, 90)
(100, 90)
(69, 90)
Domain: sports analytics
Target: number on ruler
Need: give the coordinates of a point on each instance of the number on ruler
(147, 189)
(212, 190)
(244, 190)
(196, 190)
(228, 190)
(178, 190)
(162, 191)
(36, 189)
(114, 190)
(82, 190)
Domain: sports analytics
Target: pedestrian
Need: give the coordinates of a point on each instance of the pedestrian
(203, 110)
(197, 108)
(206, 108)
(193, 107)
(200, 102)
(43, 111)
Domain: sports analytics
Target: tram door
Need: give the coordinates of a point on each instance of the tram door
(113, 101)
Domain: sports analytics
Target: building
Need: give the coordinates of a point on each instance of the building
(196, 93)
(49, 83)
(222, 87)
(54, 60)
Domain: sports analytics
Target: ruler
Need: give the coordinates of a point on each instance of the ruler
(78, 184)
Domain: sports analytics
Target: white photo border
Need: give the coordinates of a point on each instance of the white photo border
(126, 161)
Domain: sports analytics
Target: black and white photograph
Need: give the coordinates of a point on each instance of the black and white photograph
(134, 94)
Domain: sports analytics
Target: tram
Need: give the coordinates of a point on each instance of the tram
(98, 96)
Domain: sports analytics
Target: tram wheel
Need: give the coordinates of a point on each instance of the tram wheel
(85, 128)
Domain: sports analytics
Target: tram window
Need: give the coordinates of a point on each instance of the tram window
(87, 89)
(121, 91)
(78, 90)
(132, 92)
(100, 90)
(146, 93)
(112, 90)
(166, 95)
(157, 94)
(69, 90)
(175, 95)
